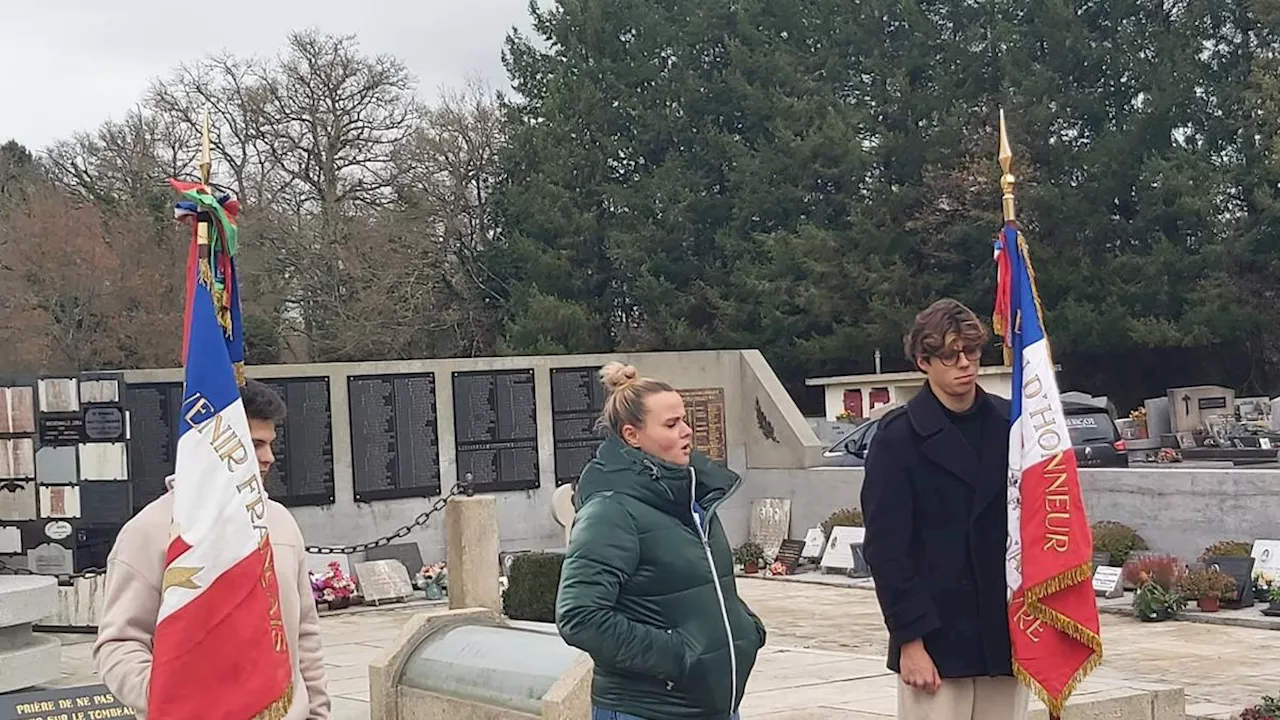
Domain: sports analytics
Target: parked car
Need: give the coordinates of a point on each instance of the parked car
(1094, 437)
(851, 450)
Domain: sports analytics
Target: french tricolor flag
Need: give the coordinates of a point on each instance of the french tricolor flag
(1053, 614)
(220, 649)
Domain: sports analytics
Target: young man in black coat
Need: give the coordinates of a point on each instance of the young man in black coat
(935, 505)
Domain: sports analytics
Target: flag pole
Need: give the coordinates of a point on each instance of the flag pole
(1000, 322)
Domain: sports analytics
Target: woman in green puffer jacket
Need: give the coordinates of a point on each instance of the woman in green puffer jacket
(647, 587)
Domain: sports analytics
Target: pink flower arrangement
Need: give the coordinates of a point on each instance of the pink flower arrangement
(777, 568)
(333, 584)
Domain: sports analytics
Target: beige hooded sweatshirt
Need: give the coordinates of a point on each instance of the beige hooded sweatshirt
(135, 568)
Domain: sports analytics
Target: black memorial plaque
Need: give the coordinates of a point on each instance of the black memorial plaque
(395, 445)
(789, 554)
(74, 703)
(496, 427)
(577, 398)
(153, 437)
(105, 503)
(61, 429)
(303, 470)
(1239, 569)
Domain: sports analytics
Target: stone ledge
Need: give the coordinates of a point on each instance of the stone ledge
(35, 663)
(26, 599)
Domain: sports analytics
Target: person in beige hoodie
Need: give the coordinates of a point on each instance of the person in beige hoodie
(135, 568)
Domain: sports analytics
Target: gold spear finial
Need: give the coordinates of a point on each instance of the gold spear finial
(1007, 179)
(206, 151)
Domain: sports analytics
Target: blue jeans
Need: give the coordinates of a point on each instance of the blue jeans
(599, 713)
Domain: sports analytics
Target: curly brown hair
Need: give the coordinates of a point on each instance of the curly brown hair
(940, 326)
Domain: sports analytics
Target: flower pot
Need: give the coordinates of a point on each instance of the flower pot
(432, 590)
(751, 568)
(1209, 604)
(339, 603)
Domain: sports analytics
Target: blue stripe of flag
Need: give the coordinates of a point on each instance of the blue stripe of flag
(1028, 328)
(209, 375)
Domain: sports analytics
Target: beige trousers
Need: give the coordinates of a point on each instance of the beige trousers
(983, 698)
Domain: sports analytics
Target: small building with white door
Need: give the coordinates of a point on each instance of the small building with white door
(853, 397)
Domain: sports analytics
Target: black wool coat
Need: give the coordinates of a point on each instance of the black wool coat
(936, 531)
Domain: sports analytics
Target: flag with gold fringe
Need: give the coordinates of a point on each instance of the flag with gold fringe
(220, 648)
(1053, 613)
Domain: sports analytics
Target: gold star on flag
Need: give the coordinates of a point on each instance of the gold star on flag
(183, 577)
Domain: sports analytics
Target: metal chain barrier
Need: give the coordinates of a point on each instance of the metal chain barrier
(421, 520)
(6, 569)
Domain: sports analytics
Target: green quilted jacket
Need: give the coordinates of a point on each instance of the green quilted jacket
(648, 591)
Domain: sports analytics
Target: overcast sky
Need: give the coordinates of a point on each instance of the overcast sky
(68, 65)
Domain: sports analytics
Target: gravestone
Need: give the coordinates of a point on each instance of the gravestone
(770, 524)
(1190, 407)
(407, 554)
(1266, 558)
(1275, 414)
(839, 552)
(1239, 569)
(1158, 419)
(814, 542)
(383, 581)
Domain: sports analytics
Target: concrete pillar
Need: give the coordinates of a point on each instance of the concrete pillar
(471, 536)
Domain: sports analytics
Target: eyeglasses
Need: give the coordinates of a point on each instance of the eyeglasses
(951, 356)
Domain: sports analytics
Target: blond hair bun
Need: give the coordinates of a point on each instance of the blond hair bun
(616, 376)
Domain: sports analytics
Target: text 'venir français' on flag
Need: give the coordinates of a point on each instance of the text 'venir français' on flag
(220, 649)
(1053, 613)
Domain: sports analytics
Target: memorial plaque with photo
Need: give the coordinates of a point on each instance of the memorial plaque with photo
(153, 440)
(705, 408)
(395, 445)
(495, 423)
(577, 398)
(303, 471)
(17, 410)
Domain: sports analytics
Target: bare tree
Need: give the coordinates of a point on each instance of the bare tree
(126, 162)
(86, 289)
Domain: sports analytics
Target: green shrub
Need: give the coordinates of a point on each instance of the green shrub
(1117, 540)
(1227, 548)
(532, 583)
(848, 517)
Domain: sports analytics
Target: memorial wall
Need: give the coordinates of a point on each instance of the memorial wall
(366, 447)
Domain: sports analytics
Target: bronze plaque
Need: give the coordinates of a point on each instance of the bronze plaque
(705, 408)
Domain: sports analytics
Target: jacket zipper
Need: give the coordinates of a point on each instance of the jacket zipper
(715, 579)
